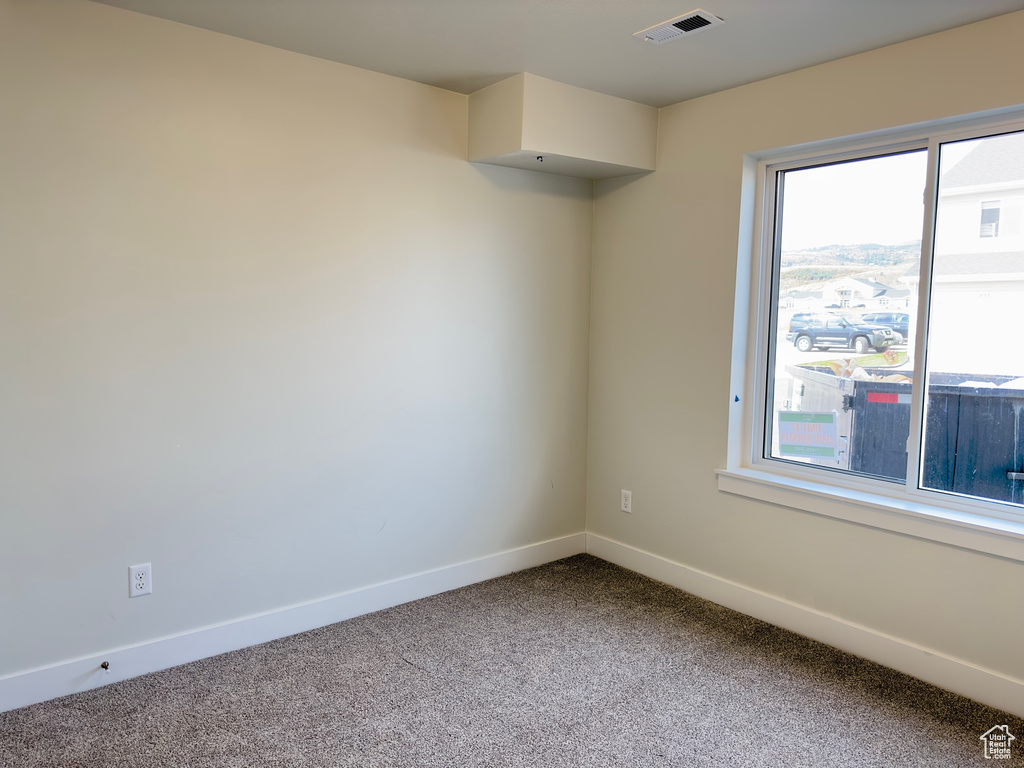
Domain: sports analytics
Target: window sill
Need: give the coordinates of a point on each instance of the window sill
(904, 516)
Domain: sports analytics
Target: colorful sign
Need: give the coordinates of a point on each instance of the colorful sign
(808, 434)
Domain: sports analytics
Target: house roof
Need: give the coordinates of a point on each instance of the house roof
(876, 288)
(945, 265)
(869, 282)
(995, 160)
(978, 263)
(914, 270)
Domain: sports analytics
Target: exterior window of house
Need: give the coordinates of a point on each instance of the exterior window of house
(990, 218)
(931, 408)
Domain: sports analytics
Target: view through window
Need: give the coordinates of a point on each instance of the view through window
(850, 242)
(973, 441)
(846, 289)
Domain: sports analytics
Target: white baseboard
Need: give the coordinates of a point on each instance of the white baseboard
(32, 686)
(953, 674)
(986, 686)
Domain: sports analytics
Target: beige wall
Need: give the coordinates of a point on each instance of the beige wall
(262, 325)
(663, 283)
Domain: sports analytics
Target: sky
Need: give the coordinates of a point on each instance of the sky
(877, 200)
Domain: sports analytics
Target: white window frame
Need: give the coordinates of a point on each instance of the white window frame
(989, 527)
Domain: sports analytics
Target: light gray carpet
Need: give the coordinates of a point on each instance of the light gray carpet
(576, 663)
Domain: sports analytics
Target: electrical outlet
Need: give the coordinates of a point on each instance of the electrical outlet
(140, 580)
(627, 502)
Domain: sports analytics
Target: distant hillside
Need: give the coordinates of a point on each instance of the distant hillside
(794, 278)
(861, 255)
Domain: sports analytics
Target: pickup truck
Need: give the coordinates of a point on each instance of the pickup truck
(825, 330)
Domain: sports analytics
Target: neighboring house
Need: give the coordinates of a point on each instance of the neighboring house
(895, 298)
(803, 300)
(854, 292)
(860, 294)
(981, 199)
(978, 266)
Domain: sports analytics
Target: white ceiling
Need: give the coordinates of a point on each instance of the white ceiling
(464, 45)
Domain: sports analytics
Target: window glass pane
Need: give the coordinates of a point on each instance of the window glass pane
(990, 219)
(846, 261)
(973, 433)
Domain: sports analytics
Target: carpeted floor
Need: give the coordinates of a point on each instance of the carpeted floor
(576, 663)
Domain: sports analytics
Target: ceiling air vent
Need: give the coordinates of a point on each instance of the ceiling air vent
(681, 26)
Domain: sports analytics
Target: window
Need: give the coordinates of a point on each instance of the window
(990, 218)
(922, 413)
(853, 219)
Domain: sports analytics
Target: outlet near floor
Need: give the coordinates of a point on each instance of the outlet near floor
(626, 504)
(140, 580)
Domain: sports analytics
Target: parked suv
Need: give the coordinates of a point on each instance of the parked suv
(824, 330)
(898, 321)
